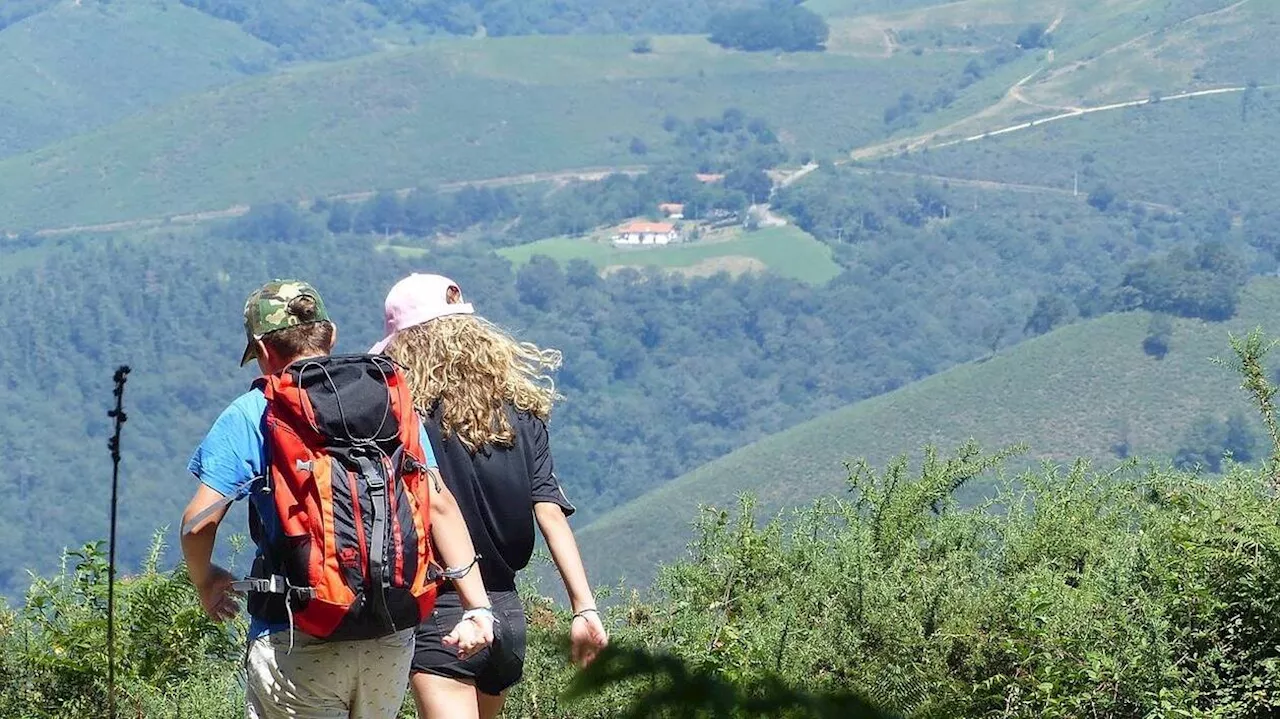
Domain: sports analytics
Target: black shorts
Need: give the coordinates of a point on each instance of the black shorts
(495, 668)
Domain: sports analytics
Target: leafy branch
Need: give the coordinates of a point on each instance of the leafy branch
(1250, 352)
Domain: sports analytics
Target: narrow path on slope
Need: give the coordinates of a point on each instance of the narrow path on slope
(1088, 111)
(1014, 96)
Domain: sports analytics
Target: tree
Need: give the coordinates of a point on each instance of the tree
(1033, 36)
(753, 183)
(1049, 312)
(1210, 439)
(1101, 197)
(1202, 446)
(1247, 98)
(638, 147)
(642, 46)
(1204, 282)
(778, 26)
(540, 281)
(278, 221)
(425, 211)
(383, 214)
(973, 71)
(1122, 447)
(1159, 332)
(341, 217)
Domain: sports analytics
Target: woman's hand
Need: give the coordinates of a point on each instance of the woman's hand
(587, 637)
(473, 633)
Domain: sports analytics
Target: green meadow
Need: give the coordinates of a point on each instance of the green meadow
(787, 251)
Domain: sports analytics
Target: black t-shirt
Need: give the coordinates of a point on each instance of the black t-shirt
(496, 489)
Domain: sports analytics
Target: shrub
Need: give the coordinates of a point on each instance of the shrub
(170, 659)
(1159, 332)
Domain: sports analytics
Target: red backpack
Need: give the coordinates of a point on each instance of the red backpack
(347, 474)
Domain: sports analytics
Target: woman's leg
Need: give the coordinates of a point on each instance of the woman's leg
(490, 706)
(439, 697)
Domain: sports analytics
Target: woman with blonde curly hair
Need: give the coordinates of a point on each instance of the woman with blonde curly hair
(485, 399)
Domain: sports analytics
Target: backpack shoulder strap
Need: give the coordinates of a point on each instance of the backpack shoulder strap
(214, 508)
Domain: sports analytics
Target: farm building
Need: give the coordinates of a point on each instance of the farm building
(672, 210)
(646, 233)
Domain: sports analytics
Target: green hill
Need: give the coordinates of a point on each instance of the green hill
(455, 109)
(1153, 152)
(82, 65)
(1072, 393)
(1092, 54)
(467, 108)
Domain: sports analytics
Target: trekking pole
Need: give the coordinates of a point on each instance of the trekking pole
(113, 444)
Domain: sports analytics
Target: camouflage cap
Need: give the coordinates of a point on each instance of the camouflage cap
(267, 310)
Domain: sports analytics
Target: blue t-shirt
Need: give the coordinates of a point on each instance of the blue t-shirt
(234, 453)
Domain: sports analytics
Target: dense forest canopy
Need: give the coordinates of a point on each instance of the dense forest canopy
(779, 25)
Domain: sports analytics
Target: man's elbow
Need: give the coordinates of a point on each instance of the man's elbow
(192, 524)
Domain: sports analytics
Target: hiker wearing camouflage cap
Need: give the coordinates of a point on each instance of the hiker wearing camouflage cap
(268, 310)
(291, 673)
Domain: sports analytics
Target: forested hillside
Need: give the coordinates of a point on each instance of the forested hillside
(927, 263)
(662, 373)
(1094, 391)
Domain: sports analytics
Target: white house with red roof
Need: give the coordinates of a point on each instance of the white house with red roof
(646, 233)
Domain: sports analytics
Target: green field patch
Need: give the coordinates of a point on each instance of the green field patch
(787, 251)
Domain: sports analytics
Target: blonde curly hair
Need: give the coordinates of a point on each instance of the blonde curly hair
(472, 367)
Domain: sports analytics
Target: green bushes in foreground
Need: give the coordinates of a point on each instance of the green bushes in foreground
(1071, 593)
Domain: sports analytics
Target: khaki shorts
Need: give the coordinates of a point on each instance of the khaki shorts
(363, 679)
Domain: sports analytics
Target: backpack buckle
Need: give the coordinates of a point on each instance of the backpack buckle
(410, 464)
(300, 466)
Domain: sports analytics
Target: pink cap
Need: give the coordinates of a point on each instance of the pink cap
(416, 299)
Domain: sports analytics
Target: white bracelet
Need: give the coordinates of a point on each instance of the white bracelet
(478, 612)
